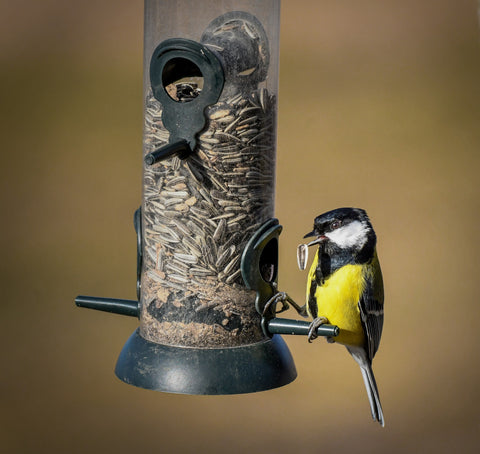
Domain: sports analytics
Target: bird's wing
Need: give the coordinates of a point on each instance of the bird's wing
(371, 306)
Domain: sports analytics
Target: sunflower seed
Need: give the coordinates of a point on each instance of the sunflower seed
(186, 258)
(178, 278)
(223, 258)
(232, 277)
(217, 235)
(223, 216)
(173, 268)
(191, 246)
(198, 271)
(231, 265)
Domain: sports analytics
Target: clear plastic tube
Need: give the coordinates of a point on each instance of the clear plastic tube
(200, 208)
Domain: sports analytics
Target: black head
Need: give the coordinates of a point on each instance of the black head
(344, 229)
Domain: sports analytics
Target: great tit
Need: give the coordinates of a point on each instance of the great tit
(345, 288)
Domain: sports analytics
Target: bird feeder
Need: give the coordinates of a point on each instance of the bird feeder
(206, 233)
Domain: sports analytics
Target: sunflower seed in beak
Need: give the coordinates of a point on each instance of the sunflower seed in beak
(302, 256)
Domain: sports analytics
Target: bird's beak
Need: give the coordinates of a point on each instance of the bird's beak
(318, 240)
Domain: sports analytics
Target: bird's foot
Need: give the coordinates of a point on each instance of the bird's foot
(312, 330)
(279, 297)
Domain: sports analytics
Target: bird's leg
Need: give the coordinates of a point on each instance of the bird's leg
(302, 310)
(312, 331)
(279, 297)
(282, 297)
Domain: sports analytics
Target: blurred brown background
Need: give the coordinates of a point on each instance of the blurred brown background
(379, 108)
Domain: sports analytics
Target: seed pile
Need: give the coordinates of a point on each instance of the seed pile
(199, 213)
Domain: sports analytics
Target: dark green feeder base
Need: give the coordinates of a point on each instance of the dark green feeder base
(236, 370)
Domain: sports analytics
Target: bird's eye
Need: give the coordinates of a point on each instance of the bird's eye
(335, 225)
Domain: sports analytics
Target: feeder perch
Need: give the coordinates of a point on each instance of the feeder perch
(207, 239)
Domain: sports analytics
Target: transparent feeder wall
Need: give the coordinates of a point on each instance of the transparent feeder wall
(200, 210)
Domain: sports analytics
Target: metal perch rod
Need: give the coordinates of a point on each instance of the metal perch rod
(299, 327)
(274, 326)
(117, 306)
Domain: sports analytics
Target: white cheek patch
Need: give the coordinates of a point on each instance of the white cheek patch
(351, 234)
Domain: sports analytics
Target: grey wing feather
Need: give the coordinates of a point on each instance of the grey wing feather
(371, 307)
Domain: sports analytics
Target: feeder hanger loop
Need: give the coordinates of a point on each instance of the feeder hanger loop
(183, 115)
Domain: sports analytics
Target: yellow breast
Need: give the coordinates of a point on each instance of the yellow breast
(337, 300)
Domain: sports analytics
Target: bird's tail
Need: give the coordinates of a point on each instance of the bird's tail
(372, 391)
(360, 357)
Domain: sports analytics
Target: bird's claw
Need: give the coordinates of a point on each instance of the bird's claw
(279, 297)
(312, 331)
